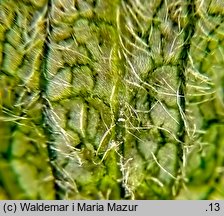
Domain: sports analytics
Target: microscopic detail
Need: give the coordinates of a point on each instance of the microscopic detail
(105, 99)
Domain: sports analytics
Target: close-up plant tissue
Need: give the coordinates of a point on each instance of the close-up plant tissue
(112, 99)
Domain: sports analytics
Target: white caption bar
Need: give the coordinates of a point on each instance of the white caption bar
(118, 208)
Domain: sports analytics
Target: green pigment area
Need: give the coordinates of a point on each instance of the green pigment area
(105, 99)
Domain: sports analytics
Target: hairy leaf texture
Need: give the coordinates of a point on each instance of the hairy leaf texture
(103, 99)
